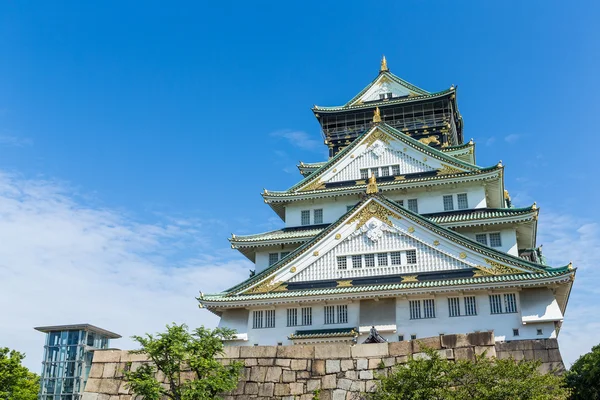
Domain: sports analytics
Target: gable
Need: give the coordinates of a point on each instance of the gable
(378, 226)
(384, 85)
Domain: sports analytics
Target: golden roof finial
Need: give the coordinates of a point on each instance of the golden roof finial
(506, 195)
(372, 185)
(377, 115)
(570, 266)
(384, 67)
(534, 206)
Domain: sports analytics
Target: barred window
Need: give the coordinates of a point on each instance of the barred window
(284, 254)
(510, 303)
(375, 172)
(305, 217)
(462, 201)
(395, 169)
(292, 316)
(382, 259)
(411, 256)
(415, 309)
(454, 306)
(401, 202)
(318, 216)
(257, 319)
(429, 308)
(342, 314)
(385, 171)
(270, 319)
(369, 260)
(273, 258)
(413, 205)
(470, 305)
(448, 203)
(329, 314)
(396, 258)
(356, 261)
(364, 173)
(306, 315)
(495, 304)
(342, 262)
(481, 238)
(495, 240)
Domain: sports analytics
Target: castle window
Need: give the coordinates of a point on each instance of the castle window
(273, 258)
(305, 217)
(495, 240)
(413, 205)
(448, 203)
(401, 202)
(284, 254)
(369, 260)
(462, 201)
(539, 332)
(413, 337)
(364, 173)
(429, 308)
(510, 303)
(329, 314)
(389, 95)
(395, 169)
(306, 315)
(381, 96)
(318, 216)
(396, 258)
(382, 259)
(515, 332)
(495, 304)
(342, 314)
(454, 306)
(292, 316)
(269, 318)
(481, 238)
(470, 305)
(342, 262)
(257, 319)
(401, 338)
(415, 309)
(356, 261)
(385, 171)
(375, 172)
(411, 256)
(336, 314)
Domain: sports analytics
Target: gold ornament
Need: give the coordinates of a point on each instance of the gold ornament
(373, 210)
(338, 236)
(376, 115)
(372, 186)
(463, 255)
(316, 185)
(383, 67)
(293, 269)
(410, 278)
(344, 283)
(436, 242)
(448, 170)
(411, 229)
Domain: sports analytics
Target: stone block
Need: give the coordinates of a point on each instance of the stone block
(229, 352)
(318, 367)
(353, 375)
(489, 351)
(297, 365)
(296, 388)
(357, 386)
(401, 359)
(541, 355)
(135, 365)
(464, 353)
(102, 396)
(389, 361)
(302, 375)
(258, 374)
(454, 341)
(551, 343)
(126, 356)
(239, 388)
(370, 350)
(273, 374)
(249, 362)
(446, 353)
(281, 389)
(245, 374)
(432, 343)
(283, 362)
(109, 370)
(265, 361)
(266, 389)
(109, 386)
(364, 375)
(251, 388)
(329, 382)
(308, 396)
(329, 351)
(123, 388)
(115, 397)
(339, 394)
(344, 383)
(326, 394)
(93, 385)
(481, 338)
(528, 355)
(375, 363)
(370, 386)
(313, 384)
(400, 348)
(552, 367)
(296, 351)
(332, 366)
(421, 356)
(89, 396)
(346, 365)
(362, 363)
(96, 370)
(289, 376)
(104, 356)
(554, 355)
(258, 351)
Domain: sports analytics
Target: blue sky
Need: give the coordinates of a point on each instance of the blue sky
(136, 136)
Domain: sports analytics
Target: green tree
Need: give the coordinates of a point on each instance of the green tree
(187, 361)
(584, 376)
(432, 377)
(16, 381)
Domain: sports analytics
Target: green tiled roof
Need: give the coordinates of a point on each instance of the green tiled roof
(555, 273)
(280, 234)
(324, 333)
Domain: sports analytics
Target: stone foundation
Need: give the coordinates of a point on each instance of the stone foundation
(338, 371)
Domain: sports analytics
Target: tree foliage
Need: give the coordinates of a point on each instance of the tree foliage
(187, 362)
(16, 381)
(432, 377)
(584, 376)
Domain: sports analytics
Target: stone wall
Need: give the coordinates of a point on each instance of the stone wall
(339, 371)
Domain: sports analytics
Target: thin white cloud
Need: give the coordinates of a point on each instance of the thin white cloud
(490, 141)
(300, 139)
(14, 141)
(512, 138)
(63, 261)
